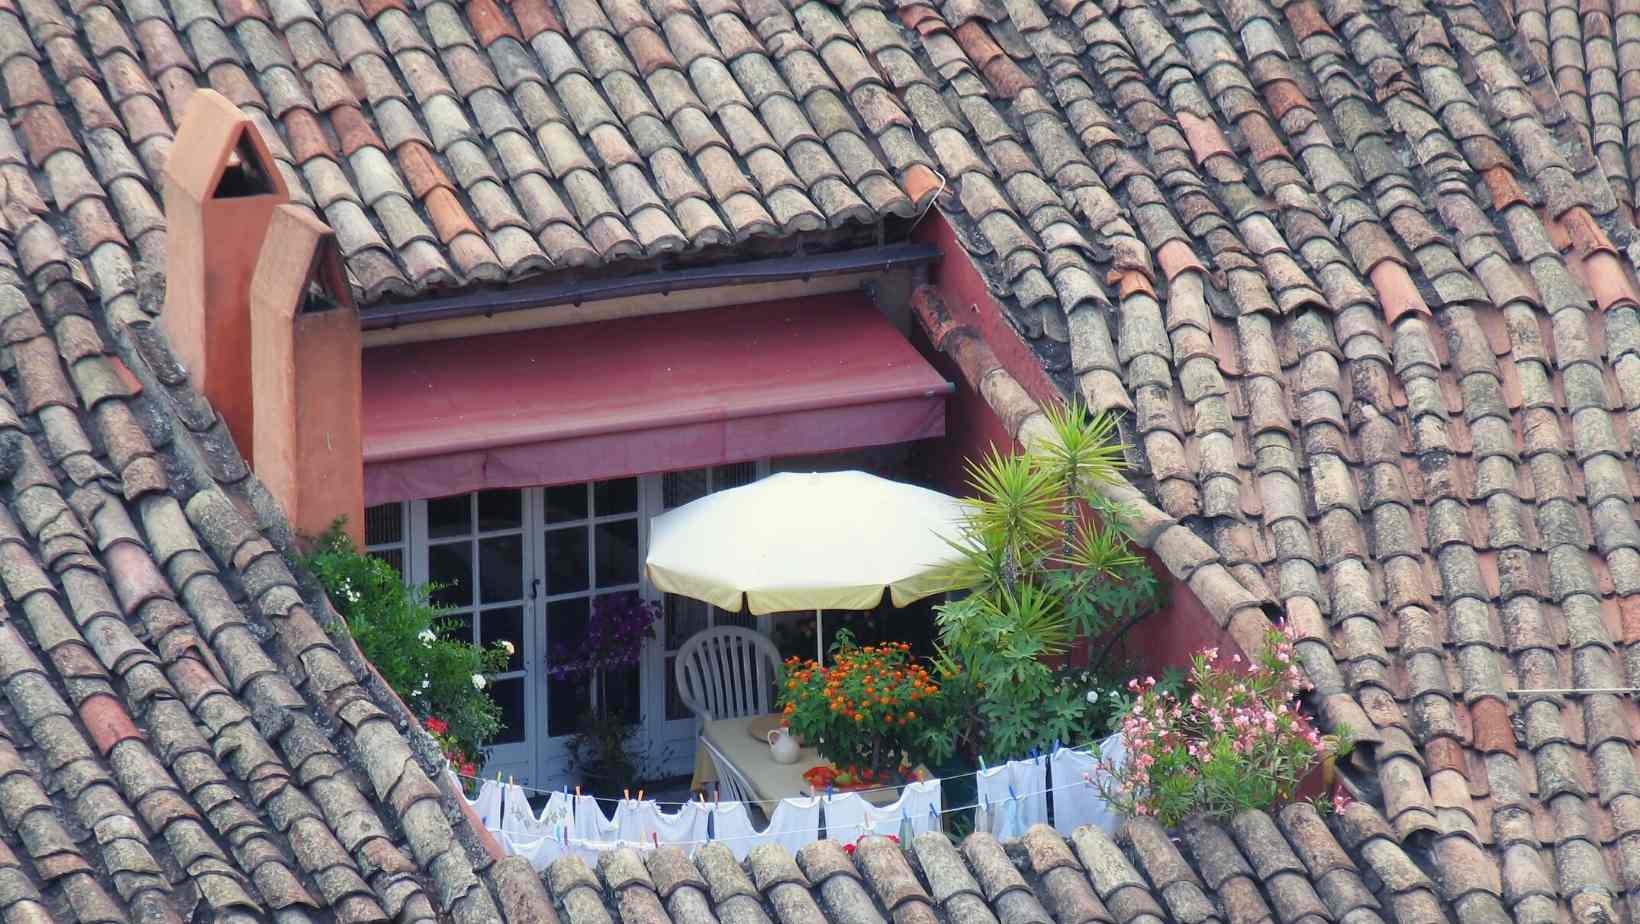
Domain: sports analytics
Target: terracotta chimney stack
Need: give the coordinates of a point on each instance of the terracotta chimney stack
(305, 373)
(220, 187)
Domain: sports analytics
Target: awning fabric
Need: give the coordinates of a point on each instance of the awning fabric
(649, 394)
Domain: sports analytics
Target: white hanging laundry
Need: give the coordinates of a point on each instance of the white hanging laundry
(1030, 779)
(539, 851)
(1012, 797)
(991, 797)
(591, 824)
(643, 823)
(845, 817)
(1077, 800)
(795, 822)
(519, 819)
(488, 804)
(917, 811)
(592, 832)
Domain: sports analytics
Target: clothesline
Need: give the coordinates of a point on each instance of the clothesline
(1091, 748)
(597, 845)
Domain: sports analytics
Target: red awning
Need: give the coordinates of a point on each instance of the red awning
(659, 393)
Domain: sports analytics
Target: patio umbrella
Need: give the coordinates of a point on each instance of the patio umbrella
(808, 541)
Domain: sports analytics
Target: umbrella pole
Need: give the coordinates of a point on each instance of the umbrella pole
(819, 638)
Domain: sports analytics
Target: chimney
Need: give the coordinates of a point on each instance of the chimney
(221, 187)
(305, 375)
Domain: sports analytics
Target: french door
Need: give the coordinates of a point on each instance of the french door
(526, 566)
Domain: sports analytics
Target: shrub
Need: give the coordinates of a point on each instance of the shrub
(873, 707)
(1042, 570)
(1233, 739)
(441, 679)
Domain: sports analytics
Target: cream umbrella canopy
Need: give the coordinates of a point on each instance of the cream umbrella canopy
(808, 541)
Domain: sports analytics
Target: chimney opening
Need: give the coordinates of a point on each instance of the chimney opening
(316, 297)
(326, 285)
(244, 174)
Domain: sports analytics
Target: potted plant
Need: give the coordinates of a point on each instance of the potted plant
(873, 712)
(601, 749)
(1045, 563)
(1234, 738)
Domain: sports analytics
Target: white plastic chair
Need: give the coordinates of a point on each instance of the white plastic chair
(727, 673)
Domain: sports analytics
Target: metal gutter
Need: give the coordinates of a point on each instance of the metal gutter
(575, 292)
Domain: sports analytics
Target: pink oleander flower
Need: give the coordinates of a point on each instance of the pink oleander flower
(1234, 739)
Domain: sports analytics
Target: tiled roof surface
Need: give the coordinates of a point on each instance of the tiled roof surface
(180, 738)
(449, 144)
(1289, 869)
(1347, 266)
(1380, 360)
(1593, 51)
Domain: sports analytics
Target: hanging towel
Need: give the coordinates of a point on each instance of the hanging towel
(917, 811)
(1030, 778)
(488, 804)
(592, 832)
(991, 785)
(1076, 797)
(845, 817)
(795, 822)
(521, 821)
(645, 824)
(1012, 797)
(539, 851)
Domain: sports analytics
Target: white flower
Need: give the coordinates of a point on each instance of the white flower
(1093, 697)
(479, 681)
(426, 684)
(427, 637)
(508, 647)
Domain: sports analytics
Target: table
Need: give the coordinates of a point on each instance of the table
(770, 782)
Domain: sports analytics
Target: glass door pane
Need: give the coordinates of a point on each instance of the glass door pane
(590, 547)
(477, 562)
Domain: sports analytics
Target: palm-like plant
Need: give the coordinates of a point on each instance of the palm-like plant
(1041, 570)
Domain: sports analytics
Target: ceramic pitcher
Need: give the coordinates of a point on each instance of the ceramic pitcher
(783, 745)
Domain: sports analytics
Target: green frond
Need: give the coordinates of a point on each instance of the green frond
(1085, 452)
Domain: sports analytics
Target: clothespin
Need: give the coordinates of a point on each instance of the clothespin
(830, 792)
(509, 779)
(626, 794)
(1056, 745)
(653, 836)
(640, 795)
(498, 776)
(982, 767)
(577, 792)
(1011, 795)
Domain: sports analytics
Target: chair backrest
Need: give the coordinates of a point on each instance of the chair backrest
(728, 673)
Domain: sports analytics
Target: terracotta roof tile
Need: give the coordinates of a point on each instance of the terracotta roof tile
(1372, 379)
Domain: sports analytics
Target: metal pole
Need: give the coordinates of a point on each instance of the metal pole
(820, 637)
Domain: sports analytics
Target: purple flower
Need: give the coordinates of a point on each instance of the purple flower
(620, 624)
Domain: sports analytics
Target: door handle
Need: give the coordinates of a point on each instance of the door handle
(535, 589)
